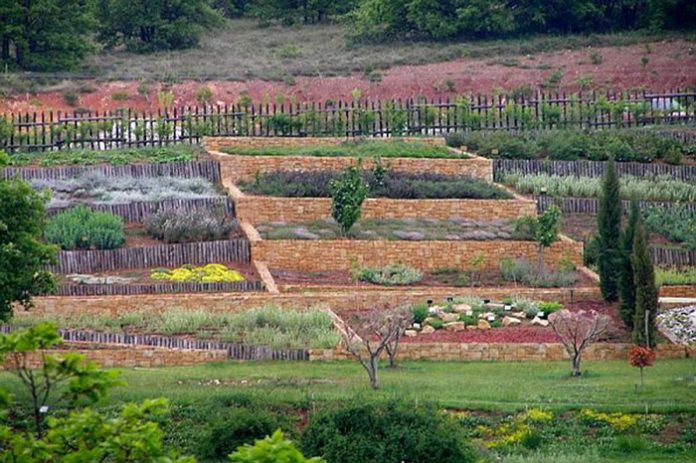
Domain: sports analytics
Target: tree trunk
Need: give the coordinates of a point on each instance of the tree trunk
(540, 261)
(575, 362)
(372, 371)
(5, 53)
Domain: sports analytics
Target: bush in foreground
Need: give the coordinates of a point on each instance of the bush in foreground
(82, 228)
(386, 432)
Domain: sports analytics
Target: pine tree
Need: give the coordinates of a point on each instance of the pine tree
(646, 289)
(627, 287)
(609, 224)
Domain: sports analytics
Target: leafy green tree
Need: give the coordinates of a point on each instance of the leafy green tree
(155, 24)
(609, 224)
(627, 287)
(42, 384)
(544, 229)
(45, 35)
(646, 290)
(22, 254)
(348, 192)
(273, 449)
(84, 435)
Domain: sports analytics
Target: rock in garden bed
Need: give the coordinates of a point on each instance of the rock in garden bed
(679, 325)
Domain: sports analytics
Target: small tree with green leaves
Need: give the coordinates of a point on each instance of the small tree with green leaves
(646, 290)
(627, 287)
(22, 253)
(348, 193)
(609, 224)
(547, 232)
(272, 449)
(82, 435)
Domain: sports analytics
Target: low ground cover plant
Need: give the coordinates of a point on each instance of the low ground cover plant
(675, 276)
(659, 188)
(211, 273)
(676, 223)
(358, 148)
(395, 229)
(123, 156)
(396, 274)
(174, 225)
(82, 228)
(382, 184)
(527, 273)
(571, 145)
(94, 187)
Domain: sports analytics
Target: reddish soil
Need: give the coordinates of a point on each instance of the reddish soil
(337, 278)
(516, 334)
(137, 237)
(142, 276)
(671, 64)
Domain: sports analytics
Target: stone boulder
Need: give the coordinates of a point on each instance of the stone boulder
(449, 317)
(507, 321)
(410, 333)
(540, 322)
(483, 325)
(427, 329)
(462, 308)
(455, 326)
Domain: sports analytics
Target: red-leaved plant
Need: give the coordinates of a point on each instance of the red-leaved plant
(641, 357)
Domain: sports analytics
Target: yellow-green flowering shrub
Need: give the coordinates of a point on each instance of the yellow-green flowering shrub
(211, 273)
(536, 415)
(521, 430)
(620, 422)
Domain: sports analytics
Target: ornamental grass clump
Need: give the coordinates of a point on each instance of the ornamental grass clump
(396, 274)
(173, 225)
(211, 273)
(82, 228)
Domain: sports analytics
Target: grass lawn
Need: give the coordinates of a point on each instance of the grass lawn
(369, 148)
(203, 395)
(506, 387)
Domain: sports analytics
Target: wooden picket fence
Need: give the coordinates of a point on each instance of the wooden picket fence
(589, 168)
(166, 255)
(137, 212)
(591, 205)
(77, 290)
(206, 168)
(414, 116)
(671, 257)
(235, 351)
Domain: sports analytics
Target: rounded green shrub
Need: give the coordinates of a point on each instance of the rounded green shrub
(390, 431)
(235, 428)
(82, 228)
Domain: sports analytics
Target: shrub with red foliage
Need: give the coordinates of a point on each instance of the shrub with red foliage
(641, 357)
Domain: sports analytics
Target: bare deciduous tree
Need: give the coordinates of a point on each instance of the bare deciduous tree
(372, 333)
(576, 330)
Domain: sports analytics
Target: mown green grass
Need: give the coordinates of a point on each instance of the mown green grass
(369, 148)
(122, 156)
(506, 387)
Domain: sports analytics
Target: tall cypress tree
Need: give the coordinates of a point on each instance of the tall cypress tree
(646, 289)
(627, 287)
(609, 224)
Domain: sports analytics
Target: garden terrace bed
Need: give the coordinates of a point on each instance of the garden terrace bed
(641, 188)
(114, 157)
(208, 169)
(164, 255)
(643, 146)
(297, 281)
(259, 326)
(338, 299)
(382, 183)
(141, 281)
(395, 229)
(138, 211)
(94, 187)
(592, 169)
(236, 168)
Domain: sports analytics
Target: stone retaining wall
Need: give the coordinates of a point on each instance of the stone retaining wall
(238, 167)
(336, 299)
(508, 352)
(259, 209)
(678, 291)
(329, 255)
(143, 357)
